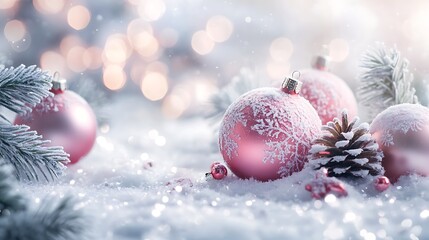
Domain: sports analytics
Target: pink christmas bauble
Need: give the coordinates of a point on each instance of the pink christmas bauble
(402, 132)
(328, 94)
(266, 134)
(67, 120)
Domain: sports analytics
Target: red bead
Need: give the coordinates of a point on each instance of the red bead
(381, 183)
(218, 171)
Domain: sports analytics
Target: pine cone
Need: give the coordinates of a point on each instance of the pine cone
(346, 151)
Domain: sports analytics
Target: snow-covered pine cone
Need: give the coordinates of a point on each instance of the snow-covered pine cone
(346, 151)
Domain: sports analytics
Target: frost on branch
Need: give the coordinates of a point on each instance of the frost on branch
(386, 80)
(21, 89)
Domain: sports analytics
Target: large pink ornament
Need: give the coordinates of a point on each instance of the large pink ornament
(267, 133)
(402, 132)
(66, 119)
(328, 94)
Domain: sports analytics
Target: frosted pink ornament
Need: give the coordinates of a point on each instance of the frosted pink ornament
(66, 119)
(402, 132)
(327, 93)
(267, 133)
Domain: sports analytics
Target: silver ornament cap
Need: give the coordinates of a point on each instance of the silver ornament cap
(58, 84)
(322, 59)
(321, 62)
(292, 85)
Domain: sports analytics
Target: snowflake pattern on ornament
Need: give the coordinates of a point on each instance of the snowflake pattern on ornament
(400, 118)
(281, 118)
(48, 104)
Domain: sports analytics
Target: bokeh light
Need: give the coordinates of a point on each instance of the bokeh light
(78, 17)
(174, 106)
(116, 49)
(277, 70)
(6, 4)
(168, 37)
(75, 59)
(151, 10)
(338, 49)
(92, 58)
(114, 77)
(154, 86)
(53, 62)
(219, 28)
(281, 49)
(49, 6)
(14, 30)
(202, 43)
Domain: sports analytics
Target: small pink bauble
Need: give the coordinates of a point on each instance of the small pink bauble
(327, 93)
(267, 133)
(218, 171)
(402, 132)
(381, 183)
(66, 119)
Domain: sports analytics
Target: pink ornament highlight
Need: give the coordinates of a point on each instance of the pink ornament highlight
(267, 133)
(402, 132)
(381, 183)
(327, 93)
(66, 119)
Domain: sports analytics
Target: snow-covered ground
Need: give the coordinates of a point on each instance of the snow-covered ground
(144, 179)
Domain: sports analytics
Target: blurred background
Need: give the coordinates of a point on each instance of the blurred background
(175, 54)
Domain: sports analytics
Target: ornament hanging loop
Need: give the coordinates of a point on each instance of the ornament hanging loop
(58, 84)
(292, 85)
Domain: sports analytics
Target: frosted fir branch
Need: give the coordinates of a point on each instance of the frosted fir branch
(239, 85)
(52, 221)
(10, 200)
(386, 80)
(26, 152)
(23, 87)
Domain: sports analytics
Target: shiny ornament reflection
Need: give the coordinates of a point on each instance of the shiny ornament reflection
(266, 133)
(402, 132)
(67, 120)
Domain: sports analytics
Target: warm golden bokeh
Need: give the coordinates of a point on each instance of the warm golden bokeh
(219, 28)
(6, 4)
(281, 49)
(154, 86)
(49, 6)
(202, 43)
(151, 10)
(14, 30)
(78, 17)
(114, 77)
(53, 62)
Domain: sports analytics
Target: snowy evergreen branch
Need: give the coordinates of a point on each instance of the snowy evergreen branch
(386, 80)
(20, 89)
(52, 221)
(239, 85)
(25, 151)
(10, 201)
(23, 87)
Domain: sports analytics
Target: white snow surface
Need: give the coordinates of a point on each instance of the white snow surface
(125, 199)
